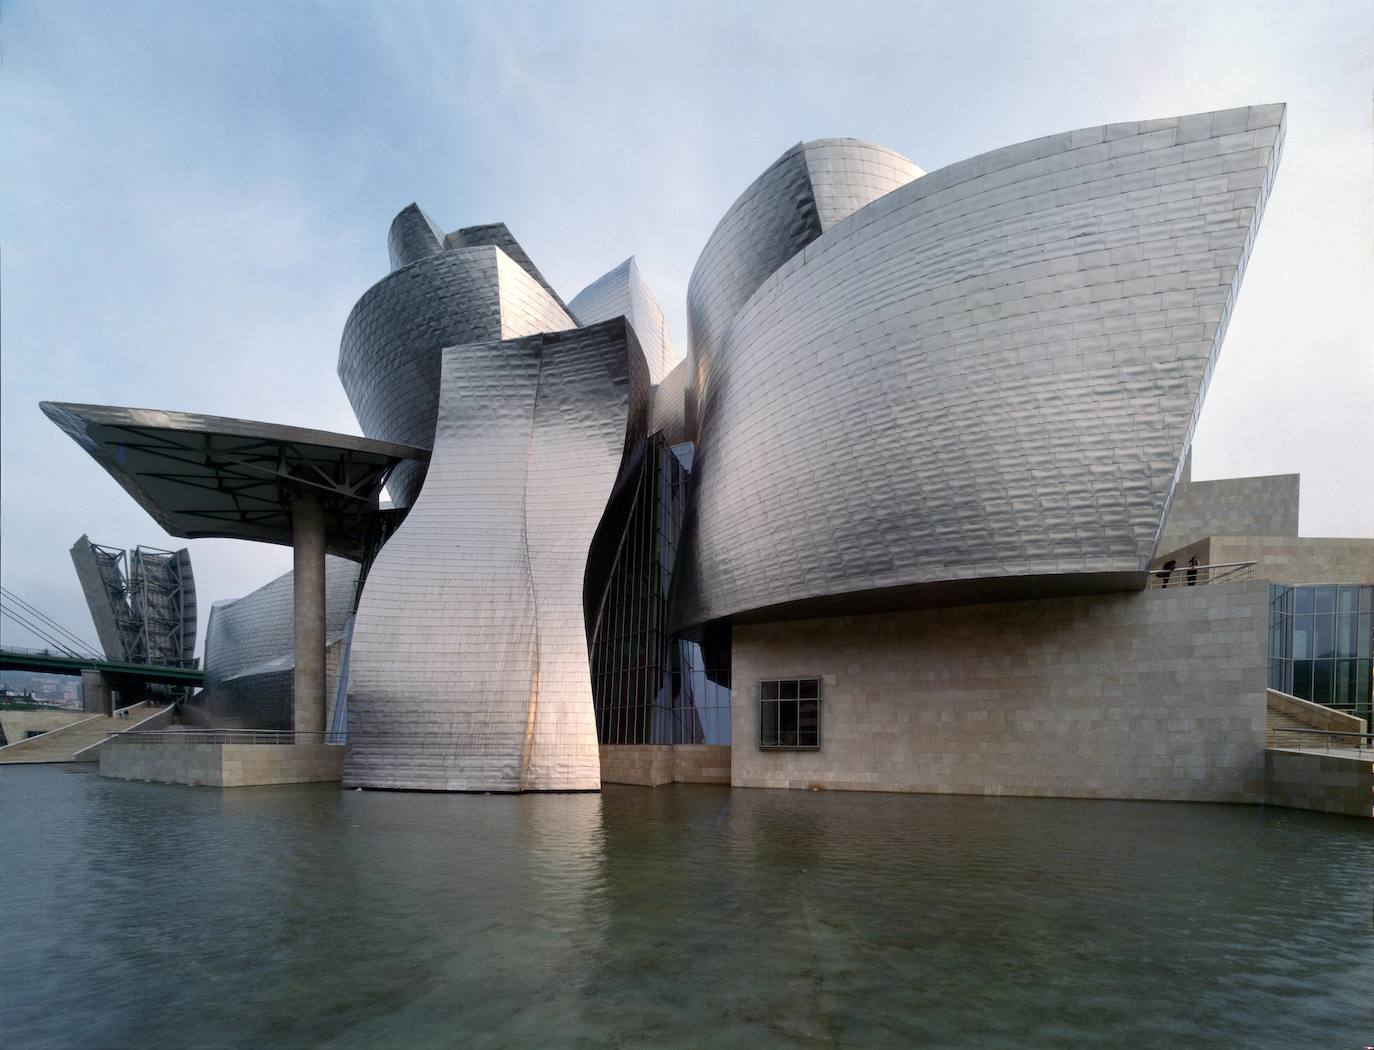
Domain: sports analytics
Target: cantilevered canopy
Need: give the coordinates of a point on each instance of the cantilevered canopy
(202, 476)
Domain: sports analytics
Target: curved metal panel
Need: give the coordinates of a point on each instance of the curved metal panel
(469, 667)
(412, 237)
(497, 234)
(623, 293)
(390, 352)
(668, 413)
(250, 651)
(802, 194)
(990, 372)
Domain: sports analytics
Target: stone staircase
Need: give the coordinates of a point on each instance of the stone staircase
(61, 745)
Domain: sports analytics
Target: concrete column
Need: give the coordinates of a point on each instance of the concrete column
(96, 697)
(307, 540)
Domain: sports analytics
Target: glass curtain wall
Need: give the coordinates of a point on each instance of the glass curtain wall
(650, 687)
(1320, 645)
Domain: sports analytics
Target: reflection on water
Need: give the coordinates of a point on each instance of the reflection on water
(142, 915)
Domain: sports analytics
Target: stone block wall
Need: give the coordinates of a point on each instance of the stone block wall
(650, 765)
(1149, 695)
(1258, 506)
(1300, 560)
(221, 765)
(16, 725)
(1326, 783)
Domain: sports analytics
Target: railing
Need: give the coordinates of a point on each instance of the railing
(1199, 575)
(228, 736)
(1329, 741)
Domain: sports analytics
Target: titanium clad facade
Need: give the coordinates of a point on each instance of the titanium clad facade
(250, 652)
(412, 237)
(469, 665)
(390, 351)
(623, 293)
(991, 372)
(801, 195)
(668, 413)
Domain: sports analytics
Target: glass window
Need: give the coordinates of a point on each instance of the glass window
(1322, 675)
(790, 713)
(768, 724)
(1347, 599)
(1366, 599)
(1345, 683)
(1323, 599)
(1302, 679)
(1302, 599)
(1323, 636)
(1364, 636)
(1302, 637)
(1347, 633)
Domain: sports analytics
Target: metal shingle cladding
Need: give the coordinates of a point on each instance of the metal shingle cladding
(991, 371)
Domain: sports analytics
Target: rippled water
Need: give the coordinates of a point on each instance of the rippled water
(142, 915)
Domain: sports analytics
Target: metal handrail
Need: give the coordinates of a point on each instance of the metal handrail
(1221, 572)
(1359, 742)
(228, 736)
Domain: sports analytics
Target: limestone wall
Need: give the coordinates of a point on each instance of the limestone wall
(1152, 694)
(1327, 783)
(650, 765)
(16, 725)
(220, 765)
(1255, 506)
(1300, 560)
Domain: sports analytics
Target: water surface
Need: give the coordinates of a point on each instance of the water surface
(145, 915)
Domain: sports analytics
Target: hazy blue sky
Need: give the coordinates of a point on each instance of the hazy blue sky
(192, 195)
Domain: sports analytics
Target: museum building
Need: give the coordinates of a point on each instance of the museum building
(897, 521)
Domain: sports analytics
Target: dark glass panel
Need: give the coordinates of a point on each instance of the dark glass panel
(809, 688)
(1302, 599)
(809, 723)
(1347, 635)
(1302, 637)
(1347, 599)
(1366, 599)
(1322, 674)
(1344, 692)
(1276, 675)
(1323, 599)
(1364, 681)
(787, 690)
(1323, 636)
(1302, 679)
(1364, 636)
(787, 723)
(770, 690)
(768, 723)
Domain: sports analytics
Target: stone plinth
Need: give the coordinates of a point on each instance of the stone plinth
(1327, 783)
(221, 765)
(1150, 695)
(650, 765)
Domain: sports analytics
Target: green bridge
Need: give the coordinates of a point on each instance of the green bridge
(63, 663)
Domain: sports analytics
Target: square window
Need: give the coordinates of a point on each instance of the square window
(789, 713)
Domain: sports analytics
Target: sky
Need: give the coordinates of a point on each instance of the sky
(194, 194)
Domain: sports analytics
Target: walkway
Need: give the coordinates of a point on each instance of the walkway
(61, 745)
